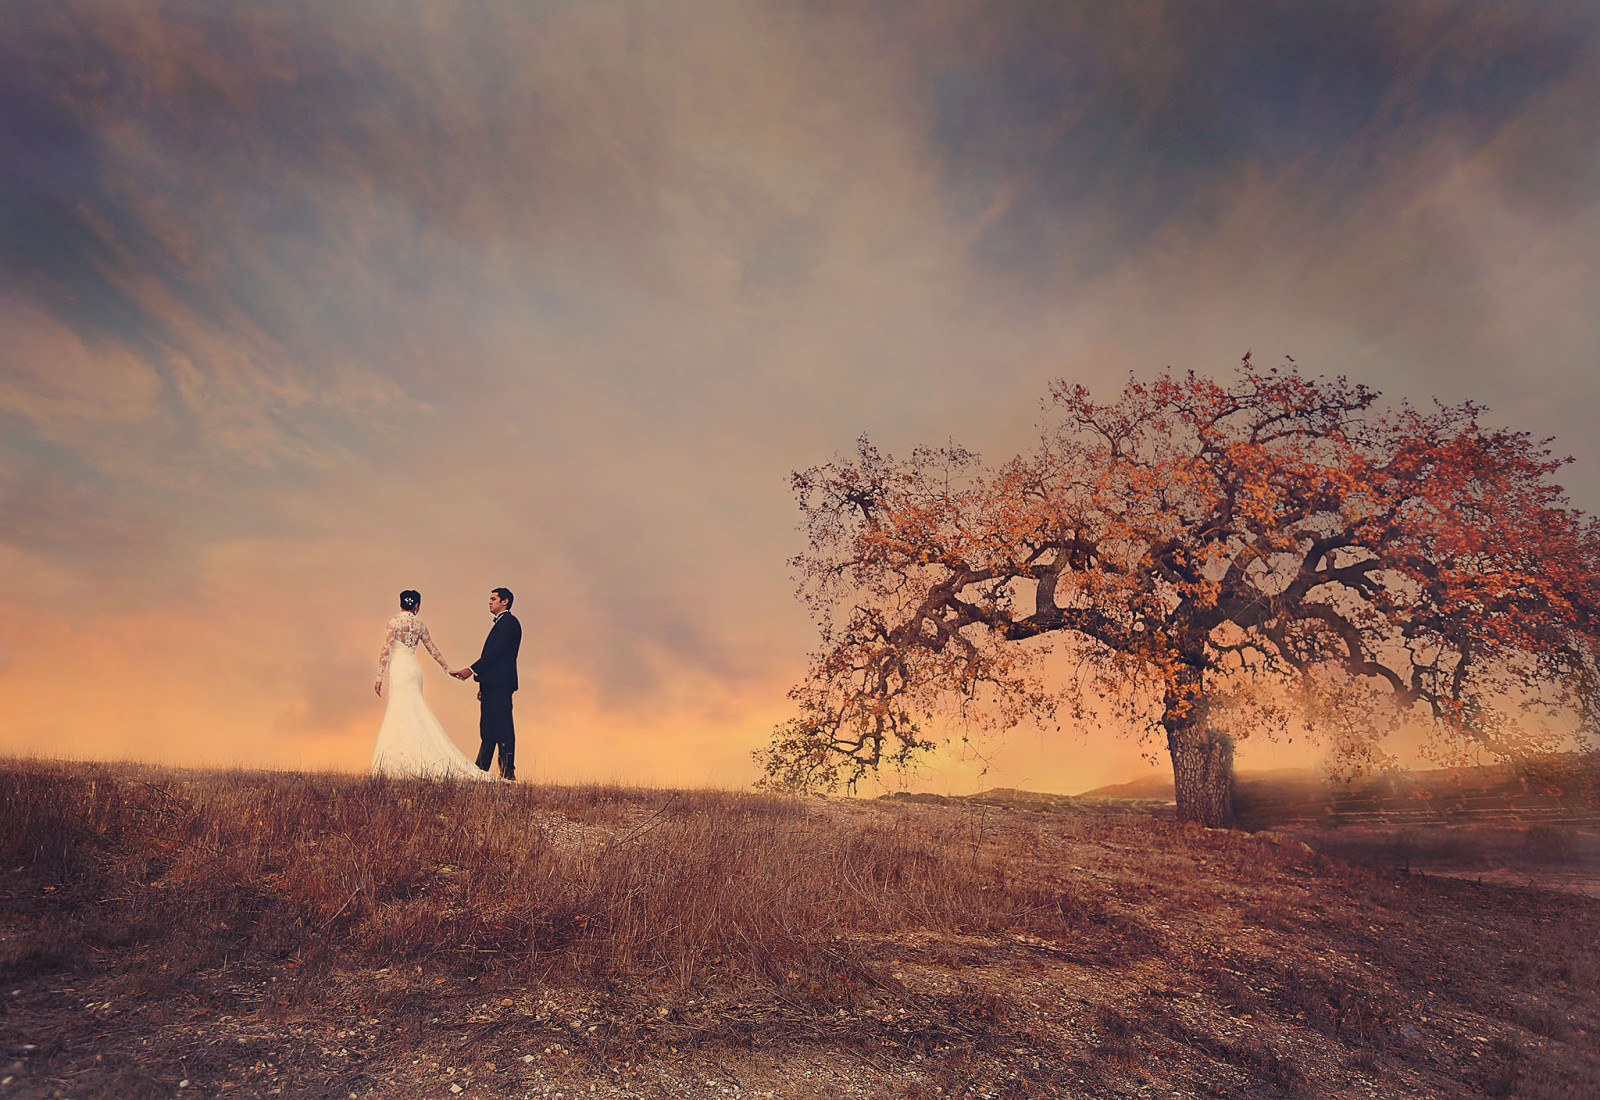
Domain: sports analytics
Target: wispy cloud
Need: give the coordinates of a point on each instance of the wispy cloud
(305, 305)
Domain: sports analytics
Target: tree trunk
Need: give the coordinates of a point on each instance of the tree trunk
(1202, 774)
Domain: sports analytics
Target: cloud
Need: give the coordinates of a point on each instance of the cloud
(306, 305)
(47, 371)
(328, 704)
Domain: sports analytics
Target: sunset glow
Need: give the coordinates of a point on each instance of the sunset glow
(301, 307)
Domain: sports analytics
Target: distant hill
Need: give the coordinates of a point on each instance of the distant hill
(1564, 787)
(997, 796)
(1561, 787)
(1157, 786)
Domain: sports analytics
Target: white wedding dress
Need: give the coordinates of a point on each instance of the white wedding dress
(411, 741)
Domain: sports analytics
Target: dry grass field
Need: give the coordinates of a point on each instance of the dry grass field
(177, 934)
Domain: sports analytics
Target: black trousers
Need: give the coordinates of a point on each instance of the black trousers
(494, 726)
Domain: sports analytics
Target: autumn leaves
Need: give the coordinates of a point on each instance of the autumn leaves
(1184, 538)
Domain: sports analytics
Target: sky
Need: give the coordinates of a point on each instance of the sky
(303, 304)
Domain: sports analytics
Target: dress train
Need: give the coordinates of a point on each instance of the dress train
(411, 741)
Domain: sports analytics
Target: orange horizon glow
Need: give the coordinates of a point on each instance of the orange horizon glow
(303, 307)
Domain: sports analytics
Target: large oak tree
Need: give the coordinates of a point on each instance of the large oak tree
(1194, 552)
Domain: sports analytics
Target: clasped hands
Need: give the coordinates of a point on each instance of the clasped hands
(463, 674)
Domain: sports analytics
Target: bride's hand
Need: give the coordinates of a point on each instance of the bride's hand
(377, 689)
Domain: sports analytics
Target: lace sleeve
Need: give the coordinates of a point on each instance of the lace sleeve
(388, 647)
(427, 640)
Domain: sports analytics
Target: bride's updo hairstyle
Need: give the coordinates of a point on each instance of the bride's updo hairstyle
(410, 599)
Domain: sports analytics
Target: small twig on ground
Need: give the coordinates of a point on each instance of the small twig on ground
(640, 828)
(341, 909)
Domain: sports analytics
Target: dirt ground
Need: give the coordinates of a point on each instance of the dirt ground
(1197, 963)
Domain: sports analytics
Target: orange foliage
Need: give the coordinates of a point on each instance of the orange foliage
(1196, 546)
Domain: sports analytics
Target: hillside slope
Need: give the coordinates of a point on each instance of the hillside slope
(313, 935)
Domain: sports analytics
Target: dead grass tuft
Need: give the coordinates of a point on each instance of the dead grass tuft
(674, 892)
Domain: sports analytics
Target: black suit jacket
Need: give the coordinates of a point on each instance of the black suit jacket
(498, 665)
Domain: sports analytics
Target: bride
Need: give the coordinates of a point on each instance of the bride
(411, 741)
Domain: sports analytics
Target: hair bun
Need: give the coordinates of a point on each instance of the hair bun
(409, 599)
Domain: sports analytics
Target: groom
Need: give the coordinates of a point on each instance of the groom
(496, 673)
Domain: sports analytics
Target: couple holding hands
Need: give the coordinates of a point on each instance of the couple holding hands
(411, 741)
